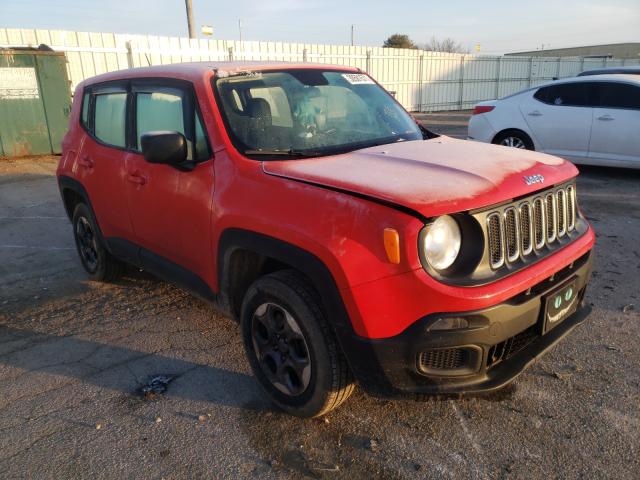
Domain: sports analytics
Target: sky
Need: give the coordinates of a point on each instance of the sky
(497, 26)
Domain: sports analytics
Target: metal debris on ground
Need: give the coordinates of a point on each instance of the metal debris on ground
(156, 385)
(628, 308)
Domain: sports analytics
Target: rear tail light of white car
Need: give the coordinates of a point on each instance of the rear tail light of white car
(482, 109)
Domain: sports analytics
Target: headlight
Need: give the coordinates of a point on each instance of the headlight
(442, 243)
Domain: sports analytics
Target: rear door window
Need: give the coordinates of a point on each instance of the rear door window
(110, 118)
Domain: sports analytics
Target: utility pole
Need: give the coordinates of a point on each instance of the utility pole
(192, 28)
(352, 26)
(240, 28)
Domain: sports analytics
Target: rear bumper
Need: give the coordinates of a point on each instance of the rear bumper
(480, 129)
(501, 343)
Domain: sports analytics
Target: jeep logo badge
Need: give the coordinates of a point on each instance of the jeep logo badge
(531, 179)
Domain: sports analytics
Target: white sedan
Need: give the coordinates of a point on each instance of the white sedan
(593, 120)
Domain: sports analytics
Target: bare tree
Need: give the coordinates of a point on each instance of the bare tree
(445, 45)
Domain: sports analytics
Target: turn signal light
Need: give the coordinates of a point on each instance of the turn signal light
(392, 245)
(482, 109)
(449, 323)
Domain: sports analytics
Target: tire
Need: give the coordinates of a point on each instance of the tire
(99, 264)
(515, 139)
(291, 347)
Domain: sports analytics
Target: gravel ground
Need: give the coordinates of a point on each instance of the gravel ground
(74, 356)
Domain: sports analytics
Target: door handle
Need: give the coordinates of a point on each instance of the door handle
(85, 162)
(535, 113)
(606, 118)
(137, 179)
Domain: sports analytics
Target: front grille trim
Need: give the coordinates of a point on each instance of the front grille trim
(540, 234)
(531, 227)
(561, 203)
(551, 212)
(512, 238)
(496, 240)
(571, 208)
(526, 220)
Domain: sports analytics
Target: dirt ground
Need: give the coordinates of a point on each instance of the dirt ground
(75, 354)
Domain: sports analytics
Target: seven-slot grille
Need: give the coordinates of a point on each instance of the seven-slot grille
(519, 229)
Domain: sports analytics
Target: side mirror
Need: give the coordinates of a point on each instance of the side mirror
(166, 147)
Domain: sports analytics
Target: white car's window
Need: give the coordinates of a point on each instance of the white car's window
(565, 94)
(617, 95)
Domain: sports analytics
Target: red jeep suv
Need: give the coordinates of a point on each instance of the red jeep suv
(351, 244)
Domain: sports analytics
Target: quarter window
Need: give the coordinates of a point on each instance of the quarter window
(110, 114)
(565, 94)
(202, 146)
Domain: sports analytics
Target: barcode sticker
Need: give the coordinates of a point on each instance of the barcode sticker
(357, 79)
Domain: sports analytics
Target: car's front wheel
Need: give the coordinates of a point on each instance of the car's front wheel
(515, 139)
(96, 260)
(291, 347)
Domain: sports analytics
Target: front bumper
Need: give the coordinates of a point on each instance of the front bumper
(501, 343)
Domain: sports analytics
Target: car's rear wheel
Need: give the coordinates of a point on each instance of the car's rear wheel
(515, 139)
(291, 347)
(99, 264)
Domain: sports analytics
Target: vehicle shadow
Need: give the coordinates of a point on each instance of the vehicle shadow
(119, 369)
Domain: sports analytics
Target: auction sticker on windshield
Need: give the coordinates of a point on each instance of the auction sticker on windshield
(357, 79)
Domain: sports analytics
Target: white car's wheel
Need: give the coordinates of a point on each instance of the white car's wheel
(515, 139)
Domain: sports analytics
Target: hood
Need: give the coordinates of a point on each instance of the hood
(431, 177)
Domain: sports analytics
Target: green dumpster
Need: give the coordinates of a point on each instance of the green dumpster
(34, 102)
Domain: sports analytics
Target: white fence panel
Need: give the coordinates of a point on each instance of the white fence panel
(421, 80)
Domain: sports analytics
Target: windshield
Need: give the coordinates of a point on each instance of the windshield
(310, 112)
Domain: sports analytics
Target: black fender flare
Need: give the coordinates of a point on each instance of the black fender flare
(360, 356)
(233, 239)
(68, 183)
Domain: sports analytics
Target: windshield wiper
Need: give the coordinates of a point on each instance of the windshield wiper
(289, 152)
